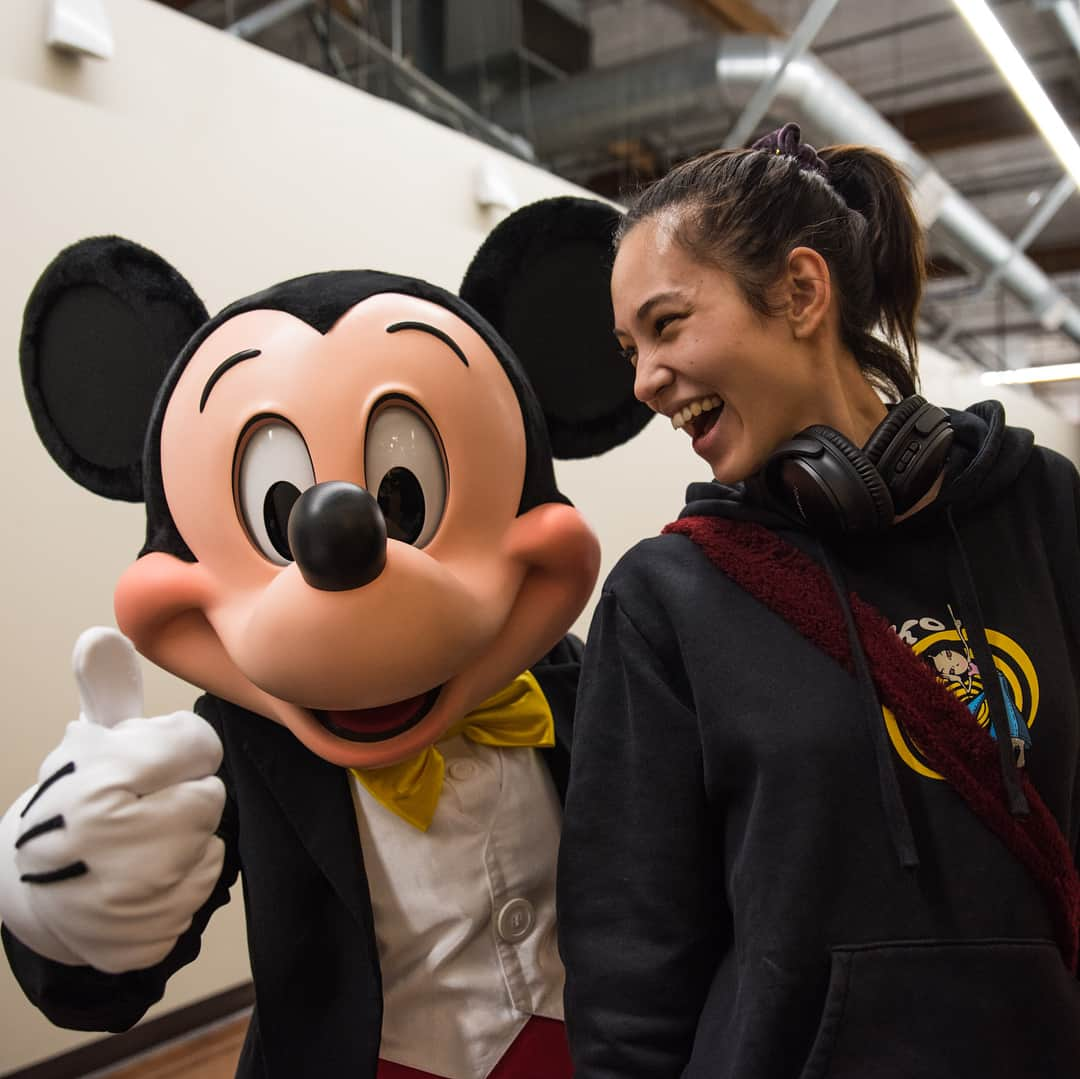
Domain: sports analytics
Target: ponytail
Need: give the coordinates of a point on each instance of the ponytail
(874, 186)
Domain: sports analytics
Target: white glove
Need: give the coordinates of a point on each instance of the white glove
(105, 861)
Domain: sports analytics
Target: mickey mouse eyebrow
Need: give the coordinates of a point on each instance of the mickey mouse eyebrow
(445, 338)
(232, 361)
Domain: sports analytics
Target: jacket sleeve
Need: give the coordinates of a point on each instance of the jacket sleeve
(83, 998)
(641, 910)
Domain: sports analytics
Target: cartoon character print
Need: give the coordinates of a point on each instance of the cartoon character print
(946, 649)
(960, 675)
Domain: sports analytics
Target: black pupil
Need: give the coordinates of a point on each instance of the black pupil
(401, 499)
(277, 506)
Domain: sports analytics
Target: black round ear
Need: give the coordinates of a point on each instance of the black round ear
(101, 328)
(542, 278)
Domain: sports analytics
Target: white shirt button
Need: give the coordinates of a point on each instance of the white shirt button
(515, 921)
(461, 770)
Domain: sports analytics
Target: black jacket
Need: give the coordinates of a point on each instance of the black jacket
(731, 902)
(289, 827)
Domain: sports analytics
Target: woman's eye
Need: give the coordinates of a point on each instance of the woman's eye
(405, 469)
(663, 322)
(630, 355)
(273, 469)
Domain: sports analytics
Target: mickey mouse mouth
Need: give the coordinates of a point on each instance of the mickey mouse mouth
(377, 724)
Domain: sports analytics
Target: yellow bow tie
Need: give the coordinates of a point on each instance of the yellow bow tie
(518, 715)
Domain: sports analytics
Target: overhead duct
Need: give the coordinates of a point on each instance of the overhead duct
(658, 91)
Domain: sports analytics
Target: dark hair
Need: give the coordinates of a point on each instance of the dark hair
(746, 210)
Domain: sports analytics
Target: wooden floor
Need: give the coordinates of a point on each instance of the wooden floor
(209, 1054)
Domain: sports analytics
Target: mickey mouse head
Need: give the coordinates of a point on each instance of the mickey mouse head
(353, 526)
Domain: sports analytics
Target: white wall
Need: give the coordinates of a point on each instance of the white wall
(242, 169)
(955, 382)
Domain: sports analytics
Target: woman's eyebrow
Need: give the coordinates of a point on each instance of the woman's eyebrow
(653, 301)
(647, 306)
(423, 327)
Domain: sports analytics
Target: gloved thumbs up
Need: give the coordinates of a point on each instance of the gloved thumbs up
(108, 677)
(108, 858)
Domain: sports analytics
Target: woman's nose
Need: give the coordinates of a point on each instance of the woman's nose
(650, 378)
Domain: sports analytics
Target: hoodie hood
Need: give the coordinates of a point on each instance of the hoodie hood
(985, 458)
(986, 455)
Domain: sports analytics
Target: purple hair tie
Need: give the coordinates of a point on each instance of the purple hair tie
(785, 140)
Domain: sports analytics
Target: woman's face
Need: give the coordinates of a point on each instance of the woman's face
(737, 382)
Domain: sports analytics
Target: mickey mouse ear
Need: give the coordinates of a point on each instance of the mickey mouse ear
(542, 278)
(100, 330)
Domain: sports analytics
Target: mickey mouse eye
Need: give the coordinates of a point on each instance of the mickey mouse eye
(273, 469)
(405, 468)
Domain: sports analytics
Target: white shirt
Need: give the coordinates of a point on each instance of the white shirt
(465, 912)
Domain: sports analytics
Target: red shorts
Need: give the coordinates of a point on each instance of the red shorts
(538, 1052)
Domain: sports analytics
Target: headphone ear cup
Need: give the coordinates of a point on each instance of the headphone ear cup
(889, 428)
(909, 449)
(870, 506)
(821, 477)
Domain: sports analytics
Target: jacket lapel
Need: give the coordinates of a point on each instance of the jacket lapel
(314, 796)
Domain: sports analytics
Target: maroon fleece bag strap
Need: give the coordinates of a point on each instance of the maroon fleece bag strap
(795, 587)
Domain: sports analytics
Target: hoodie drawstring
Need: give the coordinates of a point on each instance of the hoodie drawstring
(896, 815)
(971, 618)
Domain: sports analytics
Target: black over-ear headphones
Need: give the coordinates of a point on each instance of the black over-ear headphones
(836, 487)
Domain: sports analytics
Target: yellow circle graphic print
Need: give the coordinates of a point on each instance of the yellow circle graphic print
(949, 657)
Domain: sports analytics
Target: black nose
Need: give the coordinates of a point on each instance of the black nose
(338, 536)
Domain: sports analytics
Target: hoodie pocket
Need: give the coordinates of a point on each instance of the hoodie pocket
(985, 1009)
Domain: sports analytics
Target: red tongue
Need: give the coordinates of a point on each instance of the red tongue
(375, 720)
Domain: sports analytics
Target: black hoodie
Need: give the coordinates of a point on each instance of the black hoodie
(734, 897)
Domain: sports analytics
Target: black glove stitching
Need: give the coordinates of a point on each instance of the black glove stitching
(49, 825)
(44, 786)
(76, 869)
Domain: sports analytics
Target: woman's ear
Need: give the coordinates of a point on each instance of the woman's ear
(807, 286)
(101, 328)
(542, 278)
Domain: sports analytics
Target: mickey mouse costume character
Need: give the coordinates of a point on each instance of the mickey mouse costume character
(356, 546)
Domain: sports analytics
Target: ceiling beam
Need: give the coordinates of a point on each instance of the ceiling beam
(1004, 328)
(986, 118)
(1051, 260)
(738, 15)
(1056, 260)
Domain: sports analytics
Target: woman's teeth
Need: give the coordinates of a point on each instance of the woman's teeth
(695, 408)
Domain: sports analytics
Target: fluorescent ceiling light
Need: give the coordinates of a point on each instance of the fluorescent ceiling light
(1024, 84)
(1051, 372)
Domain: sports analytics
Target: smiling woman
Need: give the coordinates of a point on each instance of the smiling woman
(758, 878)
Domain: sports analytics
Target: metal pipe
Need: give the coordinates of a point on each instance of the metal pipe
(1068, 14)
(254, 24)
(1049, 205)
(396, 32)
(717, 77)
(760, 100)
(418, 81)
